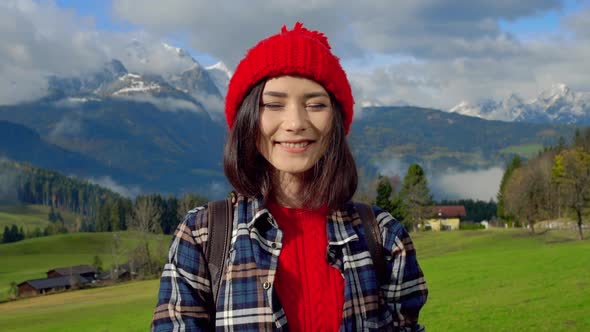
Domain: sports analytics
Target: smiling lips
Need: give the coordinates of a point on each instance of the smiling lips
(295, 146)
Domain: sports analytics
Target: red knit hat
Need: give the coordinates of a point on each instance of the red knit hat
(298, 52)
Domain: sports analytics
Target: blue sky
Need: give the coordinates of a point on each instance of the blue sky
(542, 23)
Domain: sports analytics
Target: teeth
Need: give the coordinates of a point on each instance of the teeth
(295, 145)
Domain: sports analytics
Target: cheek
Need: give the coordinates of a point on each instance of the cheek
(323, 123)
(264, 143)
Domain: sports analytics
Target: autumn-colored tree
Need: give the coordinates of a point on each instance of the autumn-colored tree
(502, 213)
(527, 194)
(572, 171)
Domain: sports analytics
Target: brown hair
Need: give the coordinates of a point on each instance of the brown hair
(332, 181)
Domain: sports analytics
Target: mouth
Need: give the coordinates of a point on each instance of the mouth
(299, 144)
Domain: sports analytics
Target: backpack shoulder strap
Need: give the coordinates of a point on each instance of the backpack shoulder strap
(220, 223)
(373, 238)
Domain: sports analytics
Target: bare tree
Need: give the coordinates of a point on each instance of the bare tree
(145, 220)
(528, 193)
(116, 252)
(146, 215)
(188, 202)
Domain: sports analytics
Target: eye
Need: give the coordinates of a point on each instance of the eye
(316, 106)
(272, 106)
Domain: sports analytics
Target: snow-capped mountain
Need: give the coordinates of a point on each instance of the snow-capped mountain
(557, 105)
(176, 67)
(147, 71)
(220, 75)
(87, 84)
(114, 81)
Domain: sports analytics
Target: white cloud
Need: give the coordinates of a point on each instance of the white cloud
(108, 182)
(166, 104)
(8, 181)
(426, 52)
(143, 53)
(453, 51)
(480, 184)
(392, 167)
(39, 39)
(444, 83)
(426, 28)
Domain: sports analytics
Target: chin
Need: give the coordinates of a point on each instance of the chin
(295, 170)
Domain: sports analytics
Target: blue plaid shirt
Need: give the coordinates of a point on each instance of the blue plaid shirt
(247, 299)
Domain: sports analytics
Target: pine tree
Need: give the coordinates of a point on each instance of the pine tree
(384, 191)
(52, 218)
(6, 236)
(415, 196)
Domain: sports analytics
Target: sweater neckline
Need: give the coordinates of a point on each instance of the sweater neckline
(295, 212)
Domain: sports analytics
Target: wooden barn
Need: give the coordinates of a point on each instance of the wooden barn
(49, 285)
(85, 271)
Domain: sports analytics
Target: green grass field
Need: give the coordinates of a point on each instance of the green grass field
(497, 280)
(125, 307)
(527, 151)
(31, 259)
(28, 216)
(506, 280)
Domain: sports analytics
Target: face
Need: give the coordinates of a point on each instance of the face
(295, 121)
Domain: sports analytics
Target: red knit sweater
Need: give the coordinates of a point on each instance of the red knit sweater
(310, 290)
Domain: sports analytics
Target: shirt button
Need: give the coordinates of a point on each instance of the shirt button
(266, 285)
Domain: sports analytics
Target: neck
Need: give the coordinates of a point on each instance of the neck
(287, 190)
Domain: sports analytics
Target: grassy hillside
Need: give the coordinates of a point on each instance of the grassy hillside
(527, 150)
(29, 216)
(31, 259)
(506, 281)
(126, 307)
(503, 280)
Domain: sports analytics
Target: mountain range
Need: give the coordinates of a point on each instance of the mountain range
(559, 104)
(160, 128)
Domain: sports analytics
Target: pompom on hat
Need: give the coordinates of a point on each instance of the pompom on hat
(298, 52)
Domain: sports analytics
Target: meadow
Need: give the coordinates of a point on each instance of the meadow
(525, 150)
(27, 216)
(487, 280)
(31, 259)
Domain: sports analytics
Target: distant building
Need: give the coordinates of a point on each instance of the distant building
(445, 218)
(122, 272)
(49, 285)
(85, 271)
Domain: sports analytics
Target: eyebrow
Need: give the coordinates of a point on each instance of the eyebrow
(306, 96)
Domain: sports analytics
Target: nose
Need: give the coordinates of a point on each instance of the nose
(296, 118)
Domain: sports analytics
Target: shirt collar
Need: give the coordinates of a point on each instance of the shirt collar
(340, 225)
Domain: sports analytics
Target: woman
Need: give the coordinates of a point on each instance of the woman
(298, 257)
